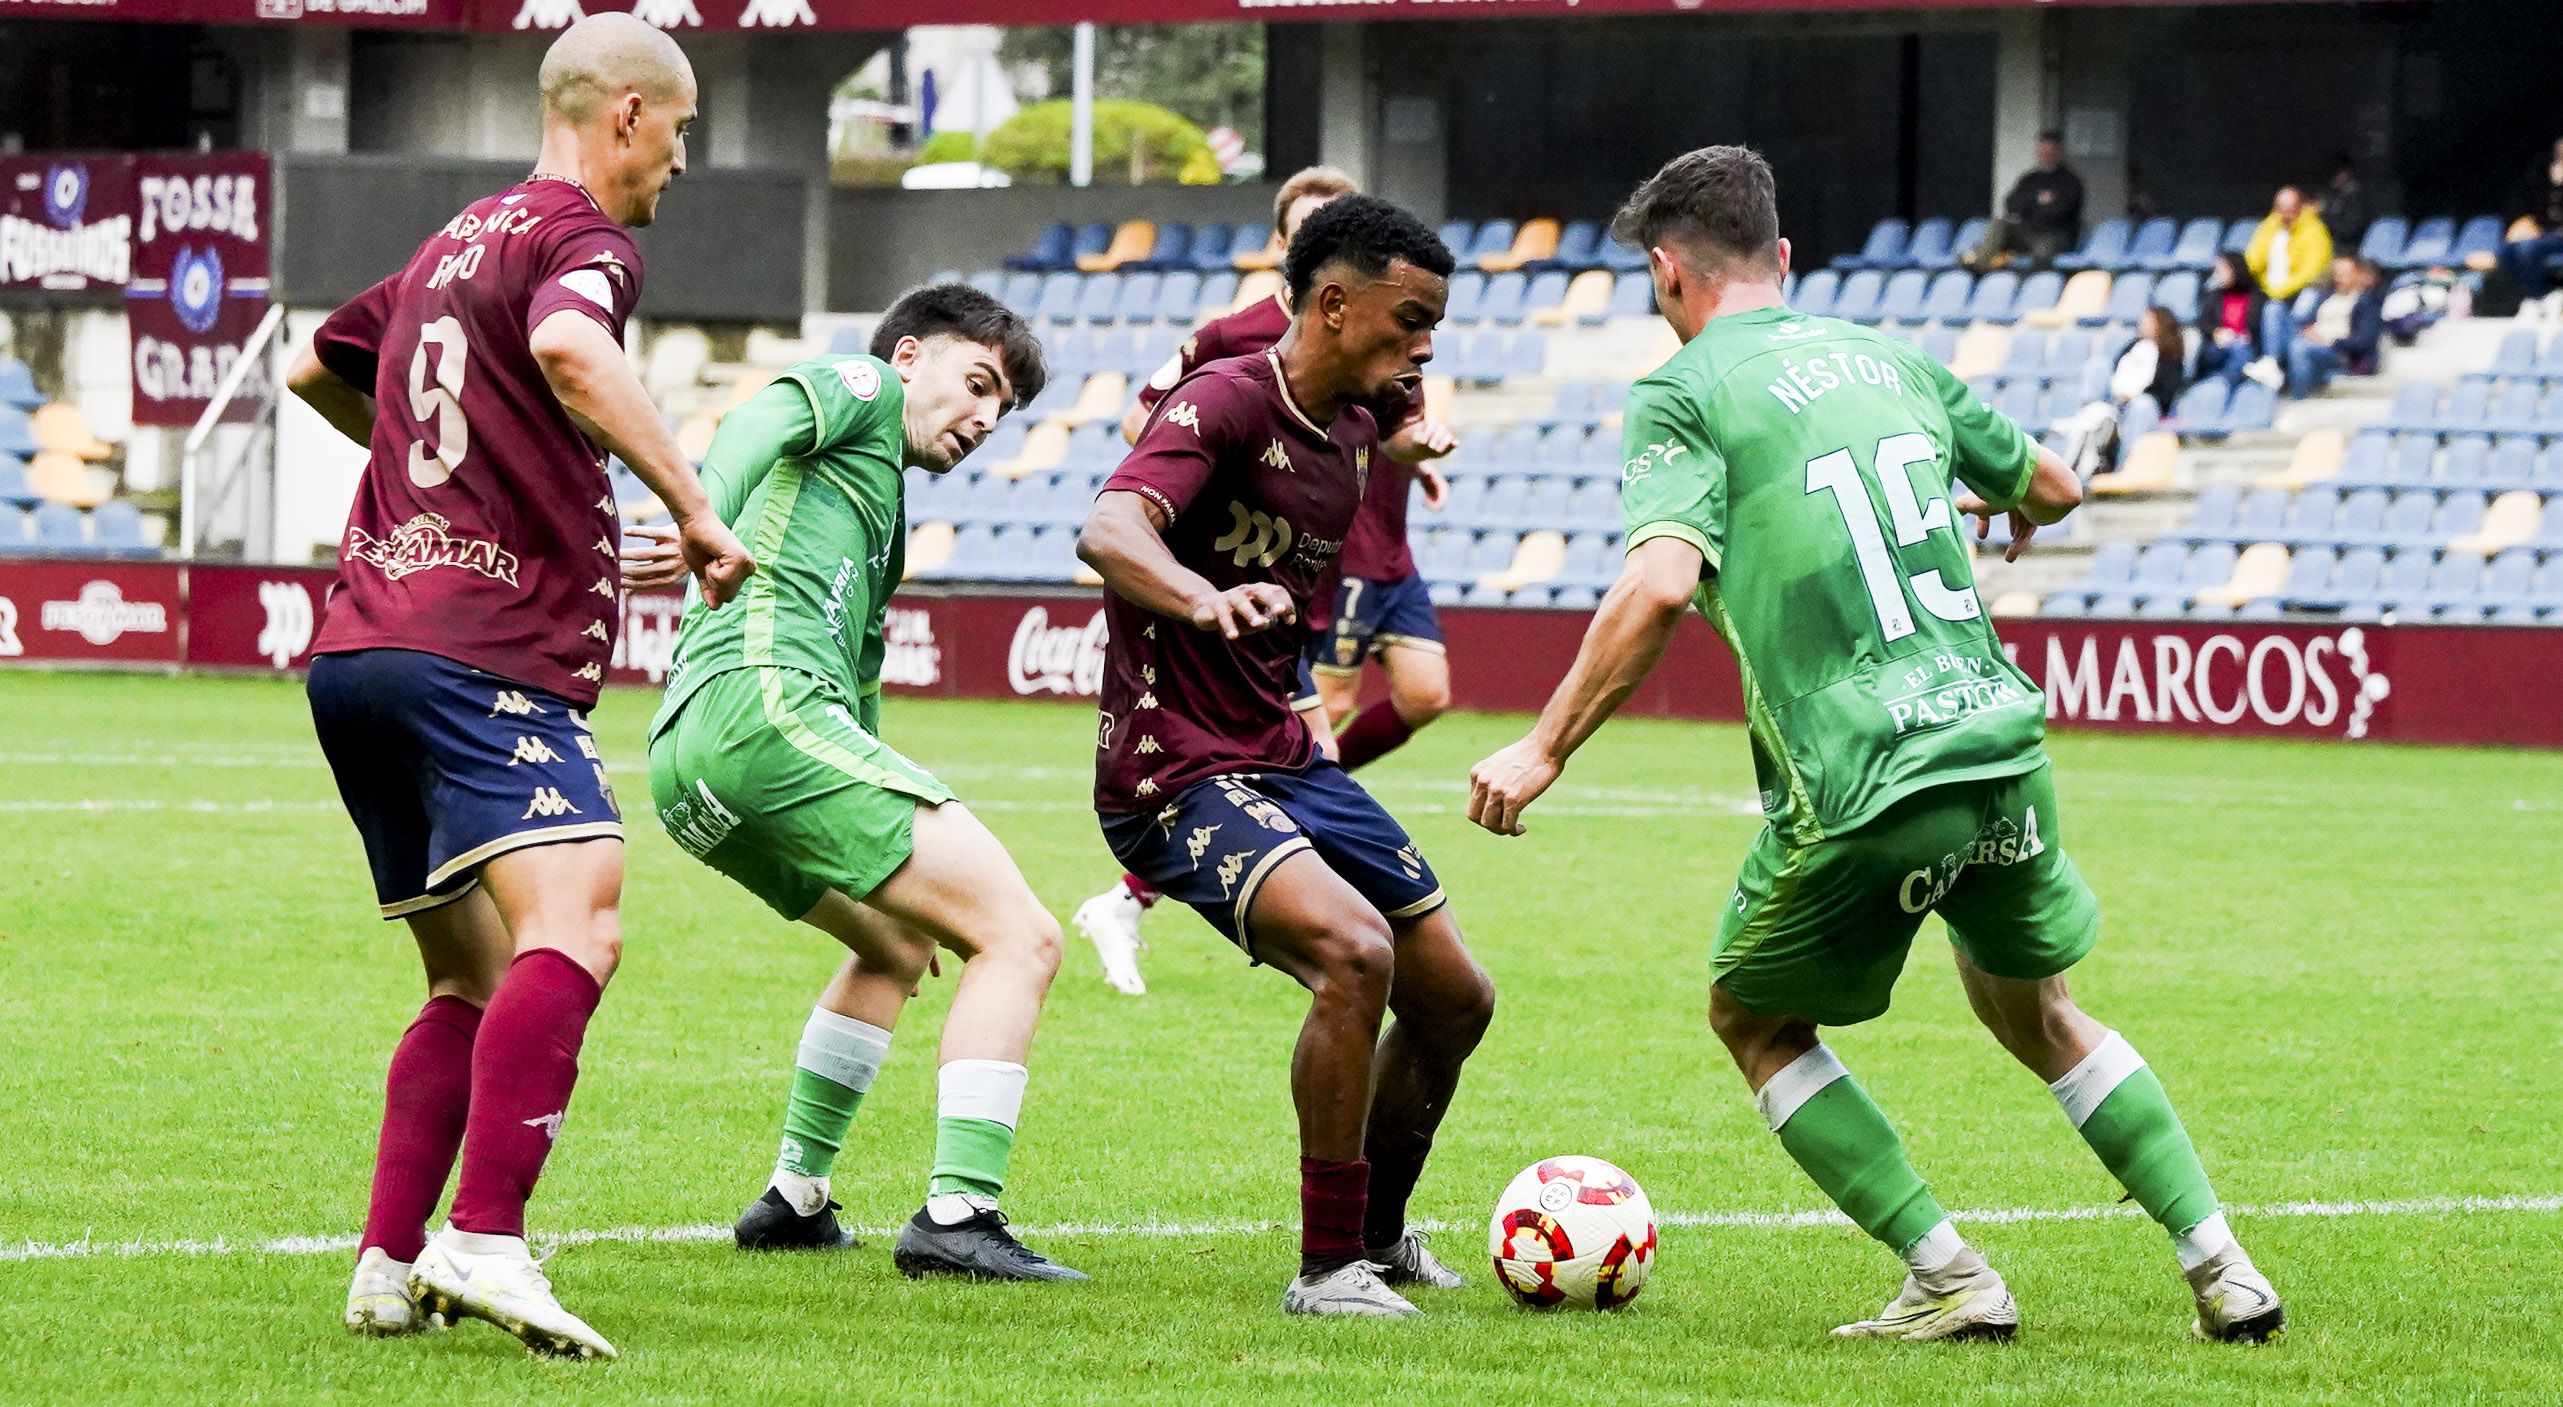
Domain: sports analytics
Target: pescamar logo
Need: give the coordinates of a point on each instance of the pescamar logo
(102, 615)
(1063, 659)
(2276, 680)
(422, 543)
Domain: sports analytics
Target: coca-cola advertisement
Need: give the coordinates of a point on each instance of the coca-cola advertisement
(199, 285)
(66, 223)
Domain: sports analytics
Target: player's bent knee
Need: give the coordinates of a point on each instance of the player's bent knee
(1356, 962)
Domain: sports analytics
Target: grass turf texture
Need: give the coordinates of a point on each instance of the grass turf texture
(2338, 957)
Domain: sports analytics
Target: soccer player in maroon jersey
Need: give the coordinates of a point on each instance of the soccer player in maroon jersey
(1389, 615)
(1214, 537)
(469, 631)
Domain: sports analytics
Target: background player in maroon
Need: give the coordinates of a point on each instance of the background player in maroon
(1213, 535)
(473, 617)
(1412, 440)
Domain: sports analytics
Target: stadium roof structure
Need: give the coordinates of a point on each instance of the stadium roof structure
(680, 16)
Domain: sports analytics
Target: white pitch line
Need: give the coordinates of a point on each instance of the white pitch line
(85, 1248)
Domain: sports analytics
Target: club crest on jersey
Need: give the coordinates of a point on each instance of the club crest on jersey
(860, 379)
(423, 543)
(1187, 415)
(1277, 456)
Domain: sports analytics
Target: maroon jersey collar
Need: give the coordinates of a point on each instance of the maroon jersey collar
(1281, 382)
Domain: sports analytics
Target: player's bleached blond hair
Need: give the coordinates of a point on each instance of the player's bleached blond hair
(1307, 181)
(604, 56)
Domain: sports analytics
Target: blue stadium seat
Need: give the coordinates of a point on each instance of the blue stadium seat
(2212, 517)
(116, 527)
(1991, 298)
(1969, 235)
(1572, 405)
(1492, 238)
(1173, 247)
(15, 492)
(1622, 258)
(1250, 237)
(2460, 514)
(2407, 519)
(1514, 450)
(2150, 246)
(2196, 248)
(2039, 291)
(1633, 296)
(1858, 300)
(2252, 407)
(2128, 297)
(1178, 297)
(1595, 507)
(2027, 355)
(2383, 245)
(1091, 240)
(2413, 409)
(2019, 400)
(2514, 361)
(2431, 242)
(1939, 343)
(1212, 244)
(15, 535)
(2353, 581)
(2238, 235)
(1547, 290)
(1815, 297)
(1098, 297)
(1929, 250)
(60, 528)
(1951, 295)
(2177, 292)
(17, 437)
(1058, 302)
(1139, 298)
(2309, 572)
(1902, 301)
(2480, 235)
(2201, 409)
(1527, 353)
(2511, 464)
(1022, 293)
(1218, 290)
(989, 281)
(2309, 520)
(18, 385)
(2508, 579)
(2138, 418)
(1507, 297)
(1051, 249)
(2471, 406)
(1884, 248)
(2467, 463)
(1579, 247)
(2106, 248)
(1467, 300)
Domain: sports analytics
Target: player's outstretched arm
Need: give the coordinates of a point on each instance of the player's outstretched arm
(1628, 635)
(2054, 491)
(1421, 441)
(348, 410)
(1124, 540)
(586, 369)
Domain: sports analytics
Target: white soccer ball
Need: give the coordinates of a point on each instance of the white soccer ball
(1572, 1231)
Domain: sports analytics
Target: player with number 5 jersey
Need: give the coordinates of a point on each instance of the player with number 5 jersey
(474, 615)
(1790, 476)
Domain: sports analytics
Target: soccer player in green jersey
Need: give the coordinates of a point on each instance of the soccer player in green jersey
(1791, 476)
(766, 764)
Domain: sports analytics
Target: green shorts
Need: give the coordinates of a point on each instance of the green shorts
(1821, 931)
(767, 776)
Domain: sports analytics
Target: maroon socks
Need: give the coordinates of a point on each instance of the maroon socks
(523, 1068)
(1140, 890)
(1373, 733)
(426, 1097)
(1331, 1201)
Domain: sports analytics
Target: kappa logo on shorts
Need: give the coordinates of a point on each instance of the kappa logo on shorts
(1230, 867)
(549, 802)
(1147, 744)
(514, 703)
(1200, 841)
(533, 750)
(595, 630)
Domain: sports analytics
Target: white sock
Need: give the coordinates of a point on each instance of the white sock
(1938, 1246)
(475, 1243)
(806, 1193)
(2203, 1242)
(953, 1208)
(981, 1089)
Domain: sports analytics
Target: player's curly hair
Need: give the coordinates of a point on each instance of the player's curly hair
(1366, 234)
(1717, 204)
(958, 310)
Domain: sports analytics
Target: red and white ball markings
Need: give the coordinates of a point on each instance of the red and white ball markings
(1572, 1231)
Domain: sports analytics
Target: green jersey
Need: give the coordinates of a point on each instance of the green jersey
(1809, 461)
(808, 474)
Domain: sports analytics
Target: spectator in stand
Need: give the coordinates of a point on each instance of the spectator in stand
(2041, 218)
(2229, 316)
(2148, 368)
(2535, 247)
(2290, 249)
(2345, 333)
(2346, 212)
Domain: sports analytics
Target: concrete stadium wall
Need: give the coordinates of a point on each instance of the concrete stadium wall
(883, 241)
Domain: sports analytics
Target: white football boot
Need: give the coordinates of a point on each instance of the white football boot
(1964, 1300)
(1353, 1288)
(378, 1301)
(2235, 1301)
(1110, 921)
(1411, 1262)
(502, 1286)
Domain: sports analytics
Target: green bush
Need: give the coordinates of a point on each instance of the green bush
(948, 146)
(1135, 142)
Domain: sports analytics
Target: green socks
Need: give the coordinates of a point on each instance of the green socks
(1837, 1133)
(2122, 1112)
(838, 1059)
(977, 1106)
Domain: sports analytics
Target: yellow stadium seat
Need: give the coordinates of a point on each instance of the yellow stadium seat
(1043, 449)
(1535, 559)
(2151, 466)
(58, 476)
(1132, 241)
(1589, 292)
(60, 426)
(2511, 520)
(1102, 398)
(929, 547)
(1980, 351)
(694, 435)
(2012, 605)
(2260, 571)
(2085, 295)
(1255, 288)
(2318, 457)
(1439, 393)
(1537, 239)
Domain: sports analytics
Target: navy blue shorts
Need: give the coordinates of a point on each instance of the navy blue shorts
(1371, 616)
(443, 766)
(1213, 846)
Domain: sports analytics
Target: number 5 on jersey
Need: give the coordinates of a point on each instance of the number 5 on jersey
(436, 400)
(1917, 515)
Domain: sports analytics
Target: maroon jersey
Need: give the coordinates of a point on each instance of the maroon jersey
(1252, 490)
(1375, 549)
(483, 528)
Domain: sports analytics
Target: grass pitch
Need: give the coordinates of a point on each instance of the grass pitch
(2340, 959)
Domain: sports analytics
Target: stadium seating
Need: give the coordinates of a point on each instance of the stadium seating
(18, 385)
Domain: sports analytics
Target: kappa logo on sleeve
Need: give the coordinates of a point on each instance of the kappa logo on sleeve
(860, 378)
(1183, 413)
